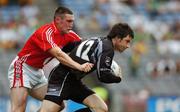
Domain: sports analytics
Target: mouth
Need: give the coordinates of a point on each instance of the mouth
(69, 29)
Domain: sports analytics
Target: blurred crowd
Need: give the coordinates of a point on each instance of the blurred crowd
(155, 50)
(17, 21)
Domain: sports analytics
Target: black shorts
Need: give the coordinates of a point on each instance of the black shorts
(64, 86)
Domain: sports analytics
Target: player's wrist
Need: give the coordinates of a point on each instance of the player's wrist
(78, 67)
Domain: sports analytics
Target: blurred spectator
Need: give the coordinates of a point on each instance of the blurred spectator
(93, 25)
(175, 29)
(24, 30)
(171, 47)
(82, 23)
(15, 2)
(24, 2)
(178, 67)
(166, 66)
(102, 18)
(31, 13)
(152, 69)
(135, 101)
(138, 50)
(119, 11)
(8, 37)
(140, 6)
(3, 2)
(101, 11)
(161, 67)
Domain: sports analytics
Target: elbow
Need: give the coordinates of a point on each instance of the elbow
(118, 80)
(110, 79)
(104, 80)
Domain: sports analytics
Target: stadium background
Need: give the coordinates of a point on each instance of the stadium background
(151, 69)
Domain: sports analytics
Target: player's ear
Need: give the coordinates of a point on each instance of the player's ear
(117, 39)
(58, 19)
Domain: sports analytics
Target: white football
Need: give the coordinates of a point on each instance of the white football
(116, 69)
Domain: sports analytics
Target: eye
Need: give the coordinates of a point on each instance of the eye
(127, 41)
(69, 21)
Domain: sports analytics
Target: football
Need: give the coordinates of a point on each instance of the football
(116, 69)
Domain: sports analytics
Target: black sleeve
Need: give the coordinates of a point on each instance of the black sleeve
(70, 46)
(104, 72)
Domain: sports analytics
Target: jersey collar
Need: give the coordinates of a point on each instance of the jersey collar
(110, 41)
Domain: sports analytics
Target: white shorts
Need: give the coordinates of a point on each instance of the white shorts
(22, 75)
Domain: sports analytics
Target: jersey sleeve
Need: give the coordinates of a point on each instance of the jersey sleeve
(104, 72)
(44, 39)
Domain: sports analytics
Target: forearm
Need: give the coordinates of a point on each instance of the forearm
(63, 58)
(66, 60)
(108, 77)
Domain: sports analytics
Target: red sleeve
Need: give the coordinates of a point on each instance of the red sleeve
(44, 38)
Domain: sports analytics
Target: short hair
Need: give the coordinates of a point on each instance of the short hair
(120, 30)
(62, 10)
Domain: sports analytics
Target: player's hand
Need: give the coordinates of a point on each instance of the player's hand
(86, 67)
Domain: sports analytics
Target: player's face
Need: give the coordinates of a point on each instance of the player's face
(66, 23)
(123, 44)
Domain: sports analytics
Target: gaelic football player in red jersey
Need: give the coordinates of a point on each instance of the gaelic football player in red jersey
(25, 73)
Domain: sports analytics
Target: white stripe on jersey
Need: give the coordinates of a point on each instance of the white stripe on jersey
(49, 37)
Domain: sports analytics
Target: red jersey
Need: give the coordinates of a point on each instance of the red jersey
(34, 52)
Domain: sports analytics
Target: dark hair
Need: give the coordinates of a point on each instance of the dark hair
(120, 30)
(62, 10)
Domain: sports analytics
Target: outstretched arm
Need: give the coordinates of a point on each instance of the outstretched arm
(66, 60)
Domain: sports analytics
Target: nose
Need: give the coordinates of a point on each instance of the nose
(128, 46)
(71, 25)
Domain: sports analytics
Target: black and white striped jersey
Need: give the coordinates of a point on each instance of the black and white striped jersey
(98, 51)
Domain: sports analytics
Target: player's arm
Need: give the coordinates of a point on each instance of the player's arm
(45, 41)
(104, 72)
(66, 60)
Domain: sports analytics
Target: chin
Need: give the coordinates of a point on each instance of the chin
(65, 32)
(121, 50)
(68, 31)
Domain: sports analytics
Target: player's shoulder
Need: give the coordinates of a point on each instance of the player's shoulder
(107, 44)
(73, 34)
(47, 28)
(44, 31)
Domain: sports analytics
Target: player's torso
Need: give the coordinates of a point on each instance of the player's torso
(89, 51)
(86, 51)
